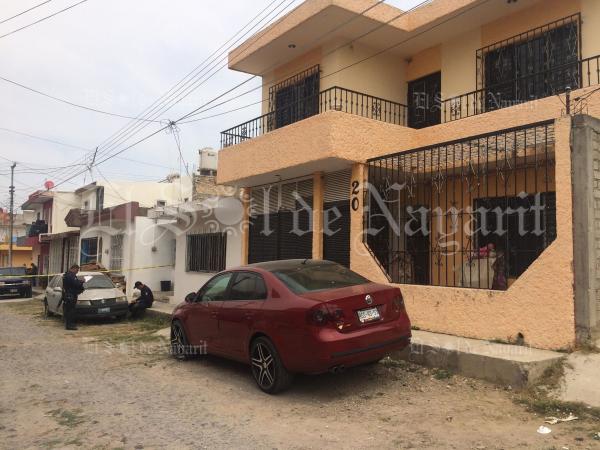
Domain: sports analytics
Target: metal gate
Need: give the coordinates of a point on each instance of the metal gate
(336, 217)
(281, 222)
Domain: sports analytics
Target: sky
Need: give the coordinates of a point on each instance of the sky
(118, 56)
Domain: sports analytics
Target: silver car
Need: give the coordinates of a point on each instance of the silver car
(100, 299)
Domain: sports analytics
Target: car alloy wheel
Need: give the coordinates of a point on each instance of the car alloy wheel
(267, 368)
(262, 366)
(179, 344)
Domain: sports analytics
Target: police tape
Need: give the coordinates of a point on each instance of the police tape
(115, 271)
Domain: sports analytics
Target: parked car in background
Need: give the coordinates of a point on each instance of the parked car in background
(14, 282)
(292, 316)
(100, 299)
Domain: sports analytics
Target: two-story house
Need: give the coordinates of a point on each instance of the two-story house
(430, 149)
(54, 244)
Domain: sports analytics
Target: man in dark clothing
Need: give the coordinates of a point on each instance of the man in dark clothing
(144, 301)
(33, 271)
(72, 287)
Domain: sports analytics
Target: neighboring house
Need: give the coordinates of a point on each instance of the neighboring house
(116, 232)
(54, 244)
(208, 238)
(207, 231)
(22, 254)
(433, 152)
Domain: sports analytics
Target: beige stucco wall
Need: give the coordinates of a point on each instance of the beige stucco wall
(459, 64)
(424, 63)
(539, 304)
(590, 15)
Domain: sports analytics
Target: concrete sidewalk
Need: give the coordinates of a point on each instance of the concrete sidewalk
(582, 379)
(513, 365)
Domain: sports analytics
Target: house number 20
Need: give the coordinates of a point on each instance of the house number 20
(355, 191)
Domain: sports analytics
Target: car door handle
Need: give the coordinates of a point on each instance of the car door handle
(248, 315)
(214, 314)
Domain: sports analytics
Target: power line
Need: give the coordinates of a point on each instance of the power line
(77, 147)
(67, 102)
(165, 98)
(237, 86)
(26, 11)
(135, 128)
(248, 45)
(42, 19)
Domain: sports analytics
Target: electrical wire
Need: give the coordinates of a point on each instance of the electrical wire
(76, 105)
(77, 147)
(23, 12)
(185, 80)
(248, 45)
(42, 19)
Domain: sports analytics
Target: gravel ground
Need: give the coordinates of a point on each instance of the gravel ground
(101, 387)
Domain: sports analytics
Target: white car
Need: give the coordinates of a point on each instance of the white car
(100, 299)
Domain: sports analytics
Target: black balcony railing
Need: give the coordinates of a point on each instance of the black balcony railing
(554, 81)
(332, 99)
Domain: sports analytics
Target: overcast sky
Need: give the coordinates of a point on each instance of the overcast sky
(118, 56)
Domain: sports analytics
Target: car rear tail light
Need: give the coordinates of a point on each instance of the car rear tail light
(321, 316)
(398, 302)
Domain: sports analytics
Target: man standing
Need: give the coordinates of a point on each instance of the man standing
(72, 287)
(33, 271)
(144, 301)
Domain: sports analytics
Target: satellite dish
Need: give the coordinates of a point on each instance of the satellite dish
(48, 185)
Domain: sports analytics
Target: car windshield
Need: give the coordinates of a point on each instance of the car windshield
(309, 278)
(18, 271)
(96, 282)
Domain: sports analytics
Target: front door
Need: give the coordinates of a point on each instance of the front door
(424, 96)
(246, 296)
(202, 320)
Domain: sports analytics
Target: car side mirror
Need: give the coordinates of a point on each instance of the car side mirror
(117, 285)
(190, 298)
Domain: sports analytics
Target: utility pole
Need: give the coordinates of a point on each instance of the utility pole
(11, 218)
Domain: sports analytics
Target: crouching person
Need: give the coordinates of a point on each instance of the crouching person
(145, 300)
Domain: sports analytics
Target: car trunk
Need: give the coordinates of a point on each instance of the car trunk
(353, 302)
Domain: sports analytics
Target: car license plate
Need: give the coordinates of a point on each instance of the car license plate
(103, 310)
(14, 290)
(368, 315)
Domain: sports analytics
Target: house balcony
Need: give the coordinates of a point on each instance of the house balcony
(519, 91)
(332, 99)
(36, 228)
(340, 126)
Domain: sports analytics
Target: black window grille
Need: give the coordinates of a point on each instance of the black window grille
(206, 252)
(295, 98)
(538, 63)
(469, 213)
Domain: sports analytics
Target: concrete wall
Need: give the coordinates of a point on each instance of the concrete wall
(186, 282)
(146, 193)
(539, 305)
(586, 223)
(61, 205)
(147, 250)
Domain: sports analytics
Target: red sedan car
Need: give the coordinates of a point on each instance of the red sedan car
(293, 316)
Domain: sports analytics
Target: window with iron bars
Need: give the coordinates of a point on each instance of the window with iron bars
(470, 213)
(535, 64)
(295, 98)
(206, 252)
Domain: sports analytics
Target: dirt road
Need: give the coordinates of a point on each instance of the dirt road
(106, 386)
